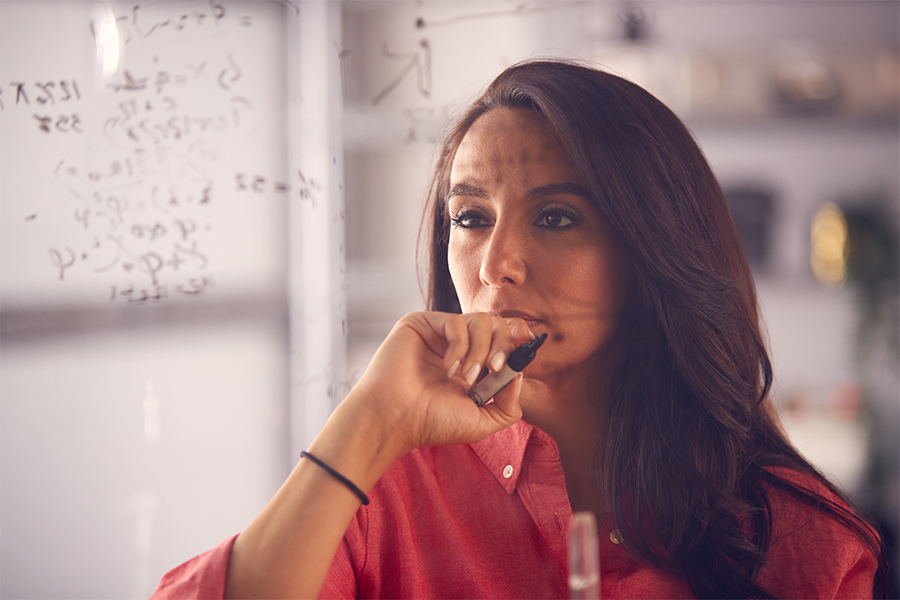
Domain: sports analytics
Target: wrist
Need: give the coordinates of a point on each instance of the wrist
(359, 442)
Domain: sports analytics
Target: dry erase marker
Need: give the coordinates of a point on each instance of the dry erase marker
(485, 389)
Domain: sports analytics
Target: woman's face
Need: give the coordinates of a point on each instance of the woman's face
(526, 242)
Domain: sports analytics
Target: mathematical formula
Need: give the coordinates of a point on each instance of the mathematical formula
(149, 168)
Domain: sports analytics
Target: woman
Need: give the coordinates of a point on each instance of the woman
(570, 202)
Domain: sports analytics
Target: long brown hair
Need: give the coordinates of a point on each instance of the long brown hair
(694, 425)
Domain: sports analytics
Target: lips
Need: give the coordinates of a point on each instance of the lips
(515, 314)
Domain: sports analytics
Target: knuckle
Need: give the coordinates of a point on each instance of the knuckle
(412, 319)
(481, 318)
(480, 322)
(455, 323)
(519, 328)
(501, 324)
(516, 323)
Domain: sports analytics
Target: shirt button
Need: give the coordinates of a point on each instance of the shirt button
(507, 471)
(615, 536)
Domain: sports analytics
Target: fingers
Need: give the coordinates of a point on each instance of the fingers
(520, 331)
(506, 408)
(456, 332)
(478, 342)
(469, 338)
(424, 348)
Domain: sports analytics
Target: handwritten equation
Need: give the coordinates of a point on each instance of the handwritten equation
(136, 221)
(138, 210)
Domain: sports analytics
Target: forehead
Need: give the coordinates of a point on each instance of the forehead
(510, 139)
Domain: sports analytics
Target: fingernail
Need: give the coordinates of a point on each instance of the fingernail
(472, 374)
(497, 361)
(453, 369)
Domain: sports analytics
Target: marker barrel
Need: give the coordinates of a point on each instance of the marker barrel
(488, 387)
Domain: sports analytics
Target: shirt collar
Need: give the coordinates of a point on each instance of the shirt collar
(504, 452)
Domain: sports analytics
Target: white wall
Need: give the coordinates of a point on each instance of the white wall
(127, 450)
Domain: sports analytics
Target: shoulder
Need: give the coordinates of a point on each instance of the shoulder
(812, 553)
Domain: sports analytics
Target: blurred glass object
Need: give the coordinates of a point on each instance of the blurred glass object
(584, 557)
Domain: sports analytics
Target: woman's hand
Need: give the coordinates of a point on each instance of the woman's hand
(416, 385)
(412, 394)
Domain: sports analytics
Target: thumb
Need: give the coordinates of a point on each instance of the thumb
(506, 408)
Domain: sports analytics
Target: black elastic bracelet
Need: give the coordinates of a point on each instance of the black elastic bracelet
(338, 476)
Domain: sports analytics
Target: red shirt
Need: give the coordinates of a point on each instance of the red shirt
(490, 519)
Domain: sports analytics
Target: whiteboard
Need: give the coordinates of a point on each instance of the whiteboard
(143, 155)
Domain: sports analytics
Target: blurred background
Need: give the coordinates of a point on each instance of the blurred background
(209, 214)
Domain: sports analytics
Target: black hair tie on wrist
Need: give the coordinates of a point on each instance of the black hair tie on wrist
(338, 476)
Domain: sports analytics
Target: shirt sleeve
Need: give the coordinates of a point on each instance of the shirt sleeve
(859, 580)
(203, 577)
(200, 578)
(343, 579)
(341, 582)
(812, 555)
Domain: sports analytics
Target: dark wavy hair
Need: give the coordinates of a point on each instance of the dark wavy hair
(694, 428)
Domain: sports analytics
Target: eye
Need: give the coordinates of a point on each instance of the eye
(469, 219)
(558, 217)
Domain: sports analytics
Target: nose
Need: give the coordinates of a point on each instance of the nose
(503, 262)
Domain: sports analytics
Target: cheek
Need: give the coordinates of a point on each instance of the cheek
(589, 295)
(612, 285)
(464, 266)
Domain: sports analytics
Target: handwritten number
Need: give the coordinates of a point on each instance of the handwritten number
(82, 216)
(43, 123)
(258, 184)
(64, 123)
(46, 96)
(20, 92)
(64, 85)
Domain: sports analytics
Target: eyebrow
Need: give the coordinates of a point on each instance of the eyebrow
(552, 189)
(462, 189)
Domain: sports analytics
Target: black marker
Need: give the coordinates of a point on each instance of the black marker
(485, 389)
